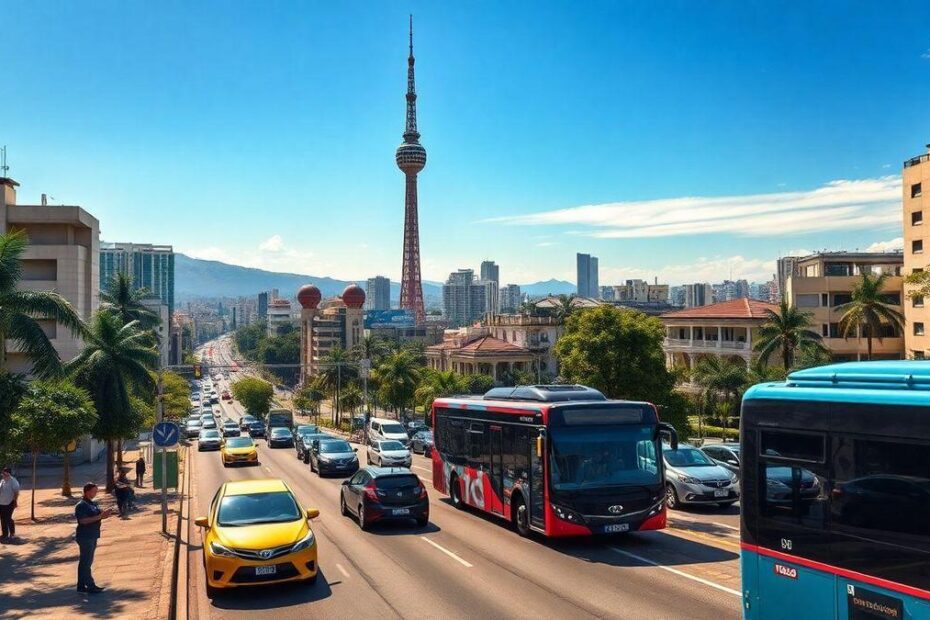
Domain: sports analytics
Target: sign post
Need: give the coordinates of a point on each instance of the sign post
(364, 369)
(164, 436)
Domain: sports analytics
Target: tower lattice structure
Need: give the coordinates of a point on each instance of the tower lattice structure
(411, 159)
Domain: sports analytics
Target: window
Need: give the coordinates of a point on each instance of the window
(835, 330)
(809, 300)
(918, 329)
(892, 298)
(824, 330)
(824, 299)
(917, 217)
(919, 355)
(789, 445)
(841, 298)
(837, 269)
(916, 190)
(477, 439)
(917, 246)
(917, 301)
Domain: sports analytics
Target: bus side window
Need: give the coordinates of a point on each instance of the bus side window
(478, 454)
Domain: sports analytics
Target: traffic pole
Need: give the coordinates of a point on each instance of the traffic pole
(160, 416)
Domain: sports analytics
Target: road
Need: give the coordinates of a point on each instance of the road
(466, 565)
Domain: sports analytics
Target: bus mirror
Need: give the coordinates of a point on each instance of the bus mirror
(667, 429)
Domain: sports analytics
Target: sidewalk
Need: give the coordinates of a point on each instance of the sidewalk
(133, 559)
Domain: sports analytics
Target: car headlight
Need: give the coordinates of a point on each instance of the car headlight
(220, 550)
(733, 477)
(688, 479)
(567, 514)
(303, 543)
(324, 459)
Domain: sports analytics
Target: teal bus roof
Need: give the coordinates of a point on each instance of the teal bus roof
(887, 382)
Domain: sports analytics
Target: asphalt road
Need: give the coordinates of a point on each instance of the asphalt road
(466, 565)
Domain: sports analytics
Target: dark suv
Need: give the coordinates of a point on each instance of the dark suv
(383, 493)
(333, 455)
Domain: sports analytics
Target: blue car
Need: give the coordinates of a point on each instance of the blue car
(257, 429)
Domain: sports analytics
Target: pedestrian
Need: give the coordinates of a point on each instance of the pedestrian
(9, 493)
(89, 516)
(140, 470)
(124, 493)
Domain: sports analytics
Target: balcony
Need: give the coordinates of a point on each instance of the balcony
(683, 344)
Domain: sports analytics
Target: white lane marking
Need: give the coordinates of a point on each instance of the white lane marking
(729, 527)
(344, 572)
(677, 572)
(448, 553)
(268, 469)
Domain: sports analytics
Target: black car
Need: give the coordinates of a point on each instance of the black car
(303, 443)
(415, 427)
(230, 429)
(246, 421)
(280, 437)
(383, 493)
(333, 455)
(257, 429)
(303, 429)
(422, 443)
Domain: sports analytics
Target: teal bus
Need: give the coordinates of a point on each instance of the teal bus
(835, 515)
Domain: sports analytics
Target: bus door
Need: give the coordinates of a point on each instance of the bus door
(497, 470)
(537, 482)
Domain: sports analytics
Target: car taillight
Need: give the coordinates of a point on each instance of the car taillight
(423, 494)
(371, 492)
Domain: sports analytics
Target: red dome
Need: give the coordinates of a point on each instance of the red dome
(309, 296)
(353, 296)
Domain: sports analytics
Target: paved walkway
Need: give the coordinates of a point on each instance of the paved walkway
(133, 560)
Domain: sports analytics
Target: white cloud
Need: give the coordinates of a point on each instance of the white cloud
(926, 55)
(704, 269)
(546, 244)
(887, 246)
(274, 243)
(838, 205)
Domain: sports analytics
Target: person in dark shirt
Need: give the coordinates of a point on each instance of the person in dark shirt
(140, 470)
(88, 516)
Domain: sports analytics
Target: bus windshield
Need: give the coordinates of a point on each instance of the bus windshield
(587, 457)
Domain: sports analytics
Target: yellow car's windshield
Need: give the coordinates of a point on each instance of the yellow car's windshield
(277, 507)
(239, 442)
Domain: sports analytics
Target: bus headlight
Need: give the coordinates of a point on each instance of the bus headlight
(566, 514)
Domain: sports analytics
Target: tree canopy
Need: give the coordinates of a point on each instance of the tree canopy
(254, 394)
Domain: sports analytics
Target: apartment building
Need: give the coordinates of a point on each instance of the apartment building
(821, 282)
(63, 256)
(916, 200)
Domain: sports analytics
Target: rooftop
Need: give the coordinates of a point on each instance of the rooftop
(487, 345)
(743, 308)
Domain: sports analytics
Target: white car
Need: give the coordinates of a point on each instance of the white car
(389, 453)
(382, 429)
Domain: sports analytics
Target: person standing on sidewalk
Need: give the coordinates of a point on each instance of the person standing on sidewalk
(9, 493)
(89, 516)
(140, 470)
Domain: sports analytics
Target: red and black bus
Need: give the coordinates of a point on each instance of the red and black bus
(559, 460)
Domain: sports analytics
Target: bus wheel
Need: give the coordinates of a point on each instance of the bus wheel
(521, 519)
(455, 493)
(671, 498)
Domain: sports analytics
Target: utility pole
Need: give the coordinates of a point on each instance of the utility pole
(160, 416)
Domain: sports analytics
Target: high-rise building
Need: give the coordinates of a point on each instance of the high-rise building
(150, 267)
(491, 271)
(411, 159)
(510, 299)
(464, 299)
(63, 255)
(263, 306)
(336, 323)
(587, 272)
(698, 295)
(378, 294)
(491, 296)
(916, 179)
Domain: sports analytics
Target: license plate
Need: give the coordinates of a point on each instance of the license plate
(617, 527)
(400, 511)
(721, 493)
(265, 570)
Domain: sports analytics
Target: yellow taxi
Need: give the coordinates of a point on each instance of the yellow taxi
(256, 534)
(239, 450)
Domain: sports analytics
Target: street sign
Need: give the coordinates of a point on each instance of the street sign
(165, 434)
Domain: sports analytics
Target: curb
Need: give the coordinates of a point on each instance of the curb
(178, 607)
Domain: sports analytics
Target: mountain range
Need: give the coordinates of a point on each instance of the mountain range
(199, 278)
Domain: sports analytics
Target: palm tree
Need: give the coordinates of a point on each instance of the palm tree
(719, 377)
(869, 310)
(351, 398)
(398, 376)
(21, 311)
(787, 329)
(337, 368)
(114, 364)
(565, 307)
(760, 372)
(370, 347)
(437, 384)
(125, 300)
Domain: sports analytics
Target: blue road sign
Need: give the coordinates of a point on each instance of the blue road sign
(165, 434)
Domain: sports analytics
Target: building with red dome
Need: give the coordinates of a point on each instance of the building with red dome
(328, 324)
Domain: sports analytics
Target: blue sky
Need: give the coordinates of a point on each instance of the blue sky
(685, 140)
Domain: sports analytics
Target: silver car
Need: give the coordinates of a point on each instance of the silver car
(389, 453)
(209, 439)
(692, 477)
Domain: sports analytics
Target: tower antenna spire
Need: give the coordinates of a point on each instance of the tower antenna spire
(411, 35)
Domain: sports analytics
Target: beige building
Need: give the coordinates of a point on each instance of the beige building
(468, 353)
(63, 256)
(726, 329)
(818, 283)
(916, 187)
(537, 334)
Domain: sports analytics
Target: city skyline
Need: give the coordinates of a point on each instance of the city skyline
(811, 161)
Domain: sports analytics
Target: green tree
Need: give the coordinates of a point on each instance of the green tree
(21, 312)
(617, 351)
(722, 380)
(114, 364)
(478, 383)
(398, 375)
(50, 416)
(869, 310)
(351, 398)
(12, 389)
(124, 300)
(336, 369)
(786, 329)
(176, 394)
(810, 357)
(438, 384)
(370, 348)
(760, 372)
(309, 397)
(254, 394)
(565, 307)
